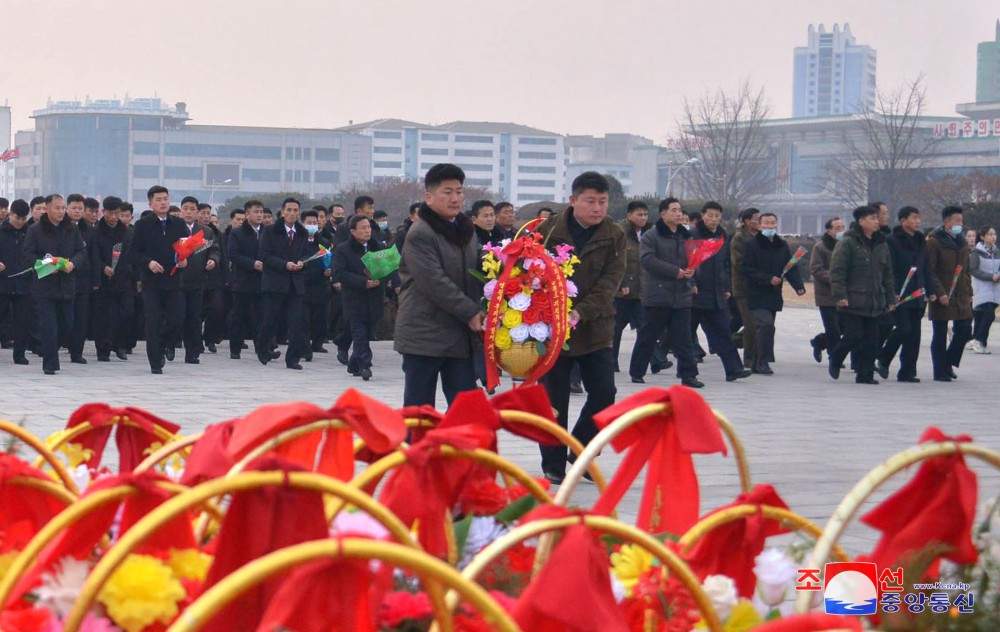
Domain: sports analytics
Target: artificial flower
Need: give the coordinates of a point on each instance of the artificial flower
(511, 318)
(76, 453)
(520, 333)
(511, 289)
(502, 338)
(141, 591)
(533, 262)
(482, 497)
(519, 302)
(540, 332)
(29, 620)
(618, 589)
(542, 301)
(189, 564)
(775, 572)
(358, 523)
(489, 288)
(96, 623)
(629, 563)
(567, 266)
(491, 266)
(62, 586)
(571, 289)
(483, 530)
(531, 315)
(743, 617)
(401, 606)
(563, 253)
(81, 477)
(721, 590)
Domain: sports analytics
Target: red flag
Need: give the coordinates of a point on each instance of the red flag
(10, 154)
(186, 247)
(701, 250)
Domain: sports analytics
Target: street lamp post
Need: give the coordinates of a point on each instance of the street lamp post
(690, 162)
(215, 185)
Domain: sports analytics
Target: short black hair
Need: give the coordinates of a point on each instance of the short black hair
(363, 200)
(251, 203)
(357, 219)
(4, 202)
(112, 203)
(267, 211)
(380, 214)
(52, 196)
(20, 208)
(290, 200)
(747, 214)
(768, 214)
(204, 205)
(863, 211)
(91, 203)
(666, 202)
(544, 209)
(75, 197)
(948, 211)
(189, 199)
(442, 172)
(413, 208)
(829, 223)
(127, 207)
(156, 188)
(636, 205)
(499, 206)
(319, 207)
(877, 204)
(174, 209)
(906, 211)
(236, 211)
(589, 180)
(335, 205)
(479, 205)
(711, 205)
(309, 213)
(982, 232)
(146, 213)
(694, 216)
(35, 201)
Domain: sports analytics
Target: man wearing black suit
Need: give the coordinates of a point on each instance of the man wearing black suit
(244, 247)
(193, 278)
(153, 253)
(283, 246)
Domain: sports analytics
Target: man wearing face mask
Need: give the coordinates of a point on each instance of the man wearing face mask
(946, 249)
(318, 288)
(380, 228)
(819, 268)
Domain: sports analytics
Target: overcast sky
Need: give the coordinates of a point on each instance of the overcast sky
(569, 66)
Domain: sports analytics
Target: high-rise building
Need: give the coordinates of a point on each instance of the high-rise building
(988, 70)
(833, 74)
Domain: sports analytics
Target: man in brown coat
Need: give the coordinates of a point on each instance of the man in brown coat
(946, 249)
(819, 268)
(600, 246)
(749, 226)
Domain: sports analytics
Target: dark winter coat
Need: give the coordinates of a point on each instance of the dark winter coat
(276, 253)
(215, 279)
(944, 253)
(764, 259)
(319, 285)
(244, 250)
(360, 302)
(861, 272)
(12, 257)
(663, 257)
(45, 238)
(713, 277)
(908, 251)
(105, 240)
(195, 276)
(438, 297)
(153, 242)
(739, 241)
(633, 271)
(819, 268)
(88, 276)
(597, 278)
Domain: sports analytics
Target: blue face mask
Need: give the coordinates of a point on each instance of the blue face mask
(769, 232)
(840, 235)
(383, 225)
(312, 229)
(956, 230)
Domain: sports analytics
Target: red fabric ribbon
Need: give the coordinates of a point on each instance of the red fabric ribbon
(210, 457)
(576, 573)
(23, 510)
(811, 622)
(260, 521)
(532, 399)
(132, 440)
(938, 505)
(79, 540)
(184, 248)
(670, 498)
(731, 548)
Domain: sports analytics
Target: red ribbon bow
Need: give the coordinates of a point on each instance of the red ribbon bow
(670, 498)
(23, 510)
(132, 440)
(938, 505)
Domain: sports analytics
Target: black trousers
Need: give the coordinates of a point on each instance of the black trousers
(630, 313)
(81, 324)
(288, 309)
(55, 320)
(213, 314)
(905, 339)
(245, 320)
(362, 332)
(597, 373)
(715, 324)
(164, 311)
(765, 322)
(339, 330)
(861, 337)
(830, 336)
(194, 301)
(677, 322)
(113, 312)
(943, 355)
(19, 306)
(319, 323)
(420, 378)
(982, 319)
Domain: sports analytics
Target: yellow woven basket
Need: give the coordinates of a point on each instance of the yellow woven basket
(519, 359)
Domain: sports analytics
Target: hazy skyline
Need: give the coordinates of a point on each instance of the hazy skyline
(572, 67)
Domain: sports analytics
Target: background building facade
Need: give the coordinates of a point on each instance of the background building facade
(833, 75)
(988, 70)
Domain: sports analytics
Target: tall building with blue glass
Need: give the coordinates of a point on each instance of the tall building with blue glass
(833, 74)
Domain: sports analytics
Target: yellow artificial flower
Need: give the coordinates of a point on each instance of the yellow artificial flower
(511, 318)
(142, 591)
(189, 563)
(174, 460)
(516, 272)
(491, 266)
(629, 563)
(5, 561)
(502, 339)
(76, 453)
(567, 266)
(743, 617)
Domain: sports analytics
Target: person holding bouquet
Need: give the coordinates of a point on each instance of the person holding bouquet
(114, 302)
(361, 296)
(202, 262)
(951, 282)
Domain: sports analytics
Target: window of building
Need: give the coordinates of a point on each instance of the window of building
(535, 169)
(146, 171)
(476, 167)
(433, 151)
(479, 182)
(380, 134)
(465, 138)
(387, 164)
(147, 123)
(387, 150)
(328, 177)
(536, 141)
(199, 150)
(262, 175)
(145, 149)
(474, 153)
(534, 197)
(182, 173)
(536, 155)
(224, 174)
(327, 154)
(536, 183)
(433, 136)
(298, 153)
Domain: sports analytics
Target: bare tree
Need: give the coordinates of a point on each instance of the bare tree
(881, 155)
(723, 140)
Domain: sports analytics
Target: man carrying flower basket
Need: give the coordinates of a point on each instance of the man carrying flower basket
(600, 246)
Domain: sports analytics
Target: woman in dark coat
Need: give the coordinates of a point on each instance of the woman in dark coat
(360, 295)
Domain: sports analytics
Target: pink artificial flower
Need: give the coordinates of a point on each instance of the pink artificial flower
(489, 288)
(571, 289)
(563, 253)
(95, 623)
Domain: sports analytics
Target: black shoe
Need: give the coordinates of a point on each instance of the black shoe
(210, 347)
(732, 377)
(22, 360)
(942, 378)
(122, 354)
(817, 352)
(763, 369)
(295, 367)
(366, 374)
(354, 372)
(342, 356)
(104, 358)
(320, 349)
(882, 370)
(308, 357)
(192, 361)
(617, 369)
(275, 354)
(834, 370)
(692, 382)
(234, 356)
(554, 477)
(156, 370)
(168, 353)
(951, 374)
(587, 477)
(48, 371)
(866, 380)
(576, 388)
(638, 380)
(911, 380)
(243, 346)
(78, 360)
(264, 359)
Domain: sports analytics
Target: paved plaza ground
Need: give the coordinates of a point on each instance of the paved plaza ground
(811, 437)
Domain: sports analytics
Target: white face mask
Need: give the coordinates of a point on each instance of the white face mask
(383, 225)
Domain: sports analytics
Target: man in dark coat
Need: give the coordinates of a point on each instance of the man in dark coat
(54, 235)
(244, 250)
(819, 268)
(439, 310)
(152, 252)
(214, 307)
(318, 273)
(282, 249)
(15, 291)
(628, 303)
(946, 250)
(862, 285)
(87, 280)
(113, 301)
(763, 263)
(749, 226)
(194, 276)
(710, 304)
(600, 246)
(908, 249)
(362, 296)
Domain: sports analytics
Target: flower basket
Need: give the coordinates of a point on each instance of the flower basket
(519, 360)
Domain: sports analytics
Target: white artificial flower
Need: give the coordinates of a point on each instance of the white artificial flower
(536, 284)
(358, 523)
(540, 332)
(173, 474)
(721, 590)
(60, 588)
(81, 477)
(618, 588)
(775, 572)
(531, 263)
(571, 289)
(489, 288)
(483, 530)
(520, 333)
(520, 302)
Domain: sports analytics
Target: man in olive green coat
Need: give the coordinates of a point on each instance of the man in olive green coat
(749, 226)
(862, 285)
(946, 250)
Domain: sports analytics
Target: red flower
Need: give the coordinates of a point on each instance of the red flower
(483, 497)
(518, 491)
(27, 620)
(512, 288)
(533, 314)
(520, 558)
(401, 606)
(542, 301)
